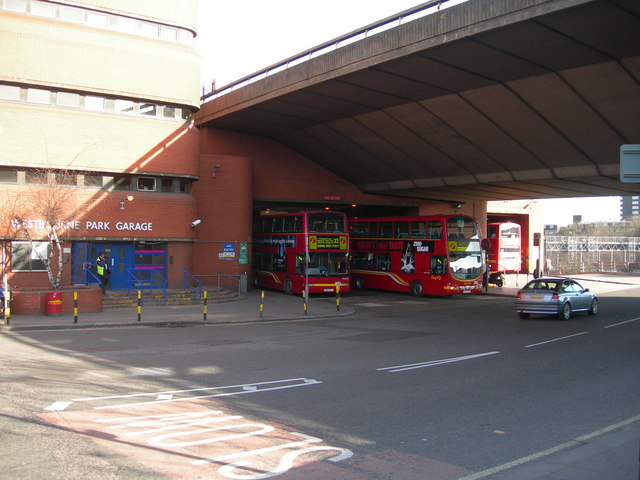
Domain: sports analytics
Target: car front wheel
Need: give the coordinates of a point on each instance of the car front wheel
(565, 311)
(594, 307)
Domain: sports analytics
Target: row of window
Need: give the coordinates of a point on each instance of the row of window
(397, 229)
(93, 180)
(92, 103)
(382, 262)
(320, 222)
(99, 19)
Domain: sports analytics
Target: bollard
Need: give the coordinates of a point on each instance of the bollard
(139, 305)
(261, 303)
(338, 296)
(204, 310)
(75, 307)
(304, 300)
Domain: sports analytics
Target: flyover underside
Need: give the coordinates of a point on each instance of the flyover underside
(488, 100)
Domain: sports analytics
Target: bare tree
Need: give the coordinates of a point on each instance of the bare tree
(42, 212)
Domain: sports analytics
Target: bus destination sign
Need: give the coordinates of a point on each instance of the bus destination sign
(327, 243)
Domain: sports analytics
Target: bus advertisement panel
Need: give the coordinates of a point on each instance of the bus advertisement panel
(432, 255)
(293, 248)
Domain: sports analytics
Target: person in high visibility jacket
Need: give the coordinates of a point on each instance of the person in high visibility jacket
(102, 269)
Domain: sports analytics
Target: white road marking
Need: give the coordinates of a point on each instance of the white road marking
(371, 304)
(412, 366)
(57, 406)
(622, 323)
(555, 340)
(563, 446)
(96, 374)
(164, 397)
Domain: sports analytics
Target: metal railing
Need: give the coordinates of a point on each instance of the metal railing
(89, 275)
(146, 280)
(592, 254)
(188, 280)
(238, 279)
(419, 11)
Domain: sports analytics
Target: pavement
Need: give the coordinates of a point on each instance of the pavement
(610, 454)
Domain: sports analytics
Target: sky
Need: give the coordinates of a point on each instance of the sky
(237, 38)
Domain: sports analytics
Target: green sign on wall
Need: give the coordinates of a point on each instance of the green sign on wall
(242, 258)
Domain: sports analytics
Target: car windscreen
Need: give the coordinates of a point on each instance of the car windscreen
(541, 285)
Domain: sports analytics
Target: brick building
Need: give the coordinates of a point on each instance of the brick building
(97, 97)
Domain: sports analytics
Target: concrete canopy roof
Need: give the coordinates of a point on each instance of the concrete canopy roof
(487, 100)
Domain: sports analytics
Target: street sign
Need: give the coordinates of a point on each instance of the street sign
(630, 163)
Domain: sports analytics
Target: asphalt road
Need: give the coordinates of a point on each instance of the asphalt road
(407, 388)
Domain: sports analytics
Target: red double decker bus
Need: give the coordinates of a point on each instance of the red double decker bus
(433, 255)
(292, 250)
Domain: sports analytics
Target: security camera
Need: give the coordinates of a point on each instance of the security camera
(195, 223)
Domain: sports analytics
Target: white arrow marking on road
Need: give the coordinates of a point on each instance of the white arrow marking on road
(58, 406)
(412, 366)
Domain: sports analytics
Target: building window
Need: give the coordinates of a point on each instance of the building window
(71, 14)
(127, 25)
(92, 181)
(121, 182)
(66, 178)
(43, 9)
(166, 184)
(65, 99)
(8, 175)
(94, 104)
(185, 186)
(16, 5)
(149, 29)
(146, 183)
(10, 92)
(170, 34)
(169, 112)
(148, 109)
(38, 95)
(124, 106)
(25, 256)
(35, 177)
(98, 20)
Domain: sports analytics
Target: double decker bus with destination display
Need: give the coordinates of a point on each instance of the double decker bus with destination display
(295, 251)
(426, 255)
(505, 251)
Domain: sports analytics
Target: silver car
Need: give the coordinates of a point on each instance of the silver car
(555, 296)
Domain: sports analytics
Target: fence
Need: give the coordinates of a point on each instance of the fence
(592, 254)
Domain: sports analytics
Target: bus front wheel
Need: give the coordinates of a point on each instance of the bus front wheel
(288, 288)
(359, 283)
(416, 288)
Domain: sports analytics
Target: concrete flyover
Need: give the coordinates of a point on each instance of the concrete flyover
(485, 100)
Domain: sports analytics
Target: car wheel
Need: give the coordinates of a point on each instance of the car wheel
(594, 307)
(359, 283)
(416, 288)
(565, 311)
(499, 283)
(288, 288)
(523, 315)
